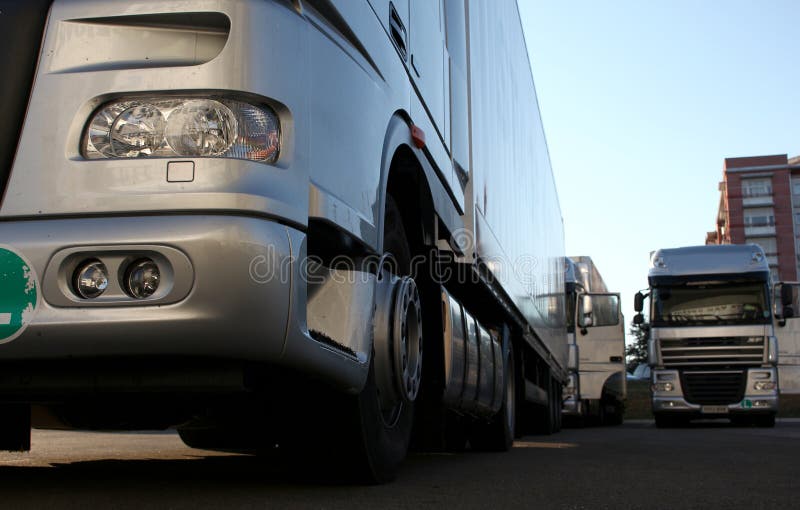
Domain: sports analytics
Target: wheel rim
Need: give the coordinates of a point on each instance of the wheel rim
(407, 340)
(398, 345)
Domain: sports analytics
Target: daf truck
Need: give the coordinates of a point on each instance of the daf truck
(713, 349)
(327, 226)
(596, 389)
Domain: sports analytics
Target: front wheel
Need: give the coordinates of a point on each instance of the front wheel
(384, 410)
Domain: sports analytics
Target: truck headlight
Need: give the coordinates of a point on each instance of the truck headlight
(183, 127)
(663, 387)
(764, 385)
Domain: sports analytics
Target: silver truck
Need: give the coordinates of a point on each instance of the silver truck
(712, 345)
(596, 388)
(317, 225)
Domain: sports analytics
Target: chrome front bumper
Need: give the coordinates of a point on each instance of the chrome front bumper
(753, 401)
(750, 404)
(246, 299)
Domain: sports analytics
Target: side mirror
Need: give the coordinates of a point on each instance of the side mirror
(638, 303)
(586, 306)
(638, 319)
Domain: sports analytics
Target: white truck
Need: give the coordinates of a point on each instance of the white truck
(597, 387)
(787, 331)
(326, 225)
(713, 350)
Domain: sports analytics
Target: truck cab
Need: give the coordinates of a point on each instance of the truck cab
(596, 389)
(712, 346)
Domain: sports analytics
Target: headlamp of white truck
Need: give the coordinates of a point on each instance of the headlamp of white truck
(183, 127)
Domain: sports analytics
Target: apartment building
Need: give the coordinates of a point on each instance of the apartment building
(760, 203)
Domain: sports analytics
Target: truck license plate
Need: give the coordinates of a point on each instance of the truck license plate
(714, 410)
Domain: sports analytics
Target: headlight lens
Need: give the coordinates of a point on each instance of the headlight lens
(90, 279)
(764, 385)
(664, 387)
(183, 127)
(142, 279)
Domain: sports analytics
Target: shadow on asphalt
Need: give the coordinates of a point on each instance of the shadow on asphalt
(226, 472)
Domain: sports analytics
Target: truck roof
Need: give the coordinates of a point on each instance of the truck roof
(712, 260)
(582, 269)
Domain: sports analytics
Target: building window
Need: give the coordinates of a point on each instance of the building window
(760, 217)
(768, 244)
(796, 186)
(756, 187)
(773, 272)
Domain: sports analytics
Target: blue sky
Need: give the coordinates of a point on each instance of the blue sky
(642, 101)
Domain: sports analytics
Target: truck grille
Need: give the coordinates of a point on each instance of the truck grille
(725, 351)
(713, 388)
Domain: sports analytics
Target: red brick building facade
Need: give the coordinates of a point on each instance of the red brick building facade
(760, 203)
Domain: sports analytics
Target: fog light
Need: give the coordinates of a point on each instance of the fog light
(142, 279)
(764, 385)
(90, 279)
(663, 387)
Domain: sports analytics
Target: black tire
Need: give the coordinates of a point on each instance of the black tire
(382, 436)
(614, 410)
(498, 434)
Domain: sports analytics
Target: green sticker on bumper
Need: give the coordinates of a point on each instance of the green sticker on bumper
(747, 403)
(19, 294)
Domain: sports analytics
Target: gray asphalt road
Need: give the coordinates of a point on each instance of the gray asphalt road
(633, 466)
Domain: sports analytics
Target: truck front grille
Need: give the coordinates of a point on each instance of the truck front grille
(713, 388)
(723, 351)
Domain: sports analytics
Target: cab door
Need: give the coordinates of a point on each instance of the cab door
(428, 60)
(600, 335)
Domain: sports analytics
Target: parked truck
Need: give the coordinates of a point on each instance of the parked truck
(713, 349)
(596, 389)
(323, 225)
(787, 331)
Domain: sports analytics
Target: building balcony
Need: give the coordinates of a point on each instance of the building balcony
(767, 230)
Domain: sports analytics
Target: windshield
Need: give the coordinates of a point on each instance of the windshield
(711, 303)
